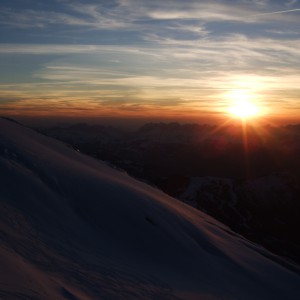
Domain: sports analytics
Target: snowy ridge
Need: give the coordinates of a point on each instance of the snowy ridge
(74, 228)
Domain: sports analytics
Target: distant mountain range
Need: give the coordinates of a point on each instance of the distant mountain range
(248, 178)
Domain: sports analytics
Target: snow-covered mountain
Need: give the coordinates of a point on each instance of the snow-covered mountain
(73, 228)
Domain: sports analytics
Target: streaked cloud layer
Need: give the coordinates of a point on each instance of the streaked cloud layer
(138, 57)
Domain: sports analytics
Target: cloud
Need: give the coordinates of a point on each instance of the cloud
(277, 12)
(168, 63)
(283, 32)
(53, 49)
(137, 15)
(291, 2)
(31, 18)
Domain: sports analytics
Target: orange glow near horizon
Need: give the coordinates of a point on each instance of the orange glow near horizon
(234, 106)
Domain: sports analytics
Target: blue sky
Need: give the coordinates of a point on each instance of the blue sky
(138, 57)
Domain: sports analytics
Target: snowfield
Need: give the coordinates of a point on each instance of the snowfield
(74, 228)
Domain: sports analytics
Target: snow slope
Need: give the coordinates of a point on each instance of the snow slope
(74, 228)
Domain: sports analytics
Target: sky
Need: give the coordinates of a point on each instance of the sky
(154, 59)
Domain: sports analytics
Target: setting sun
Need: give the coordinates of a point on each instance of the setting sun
(243, 105)
(244, 109)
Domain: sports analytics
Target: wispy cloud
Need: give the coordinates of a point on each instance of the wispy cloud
(31, 18)
(277, 12)
(291, 2)
(207, 63)
(133, 14)
(43, 49)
